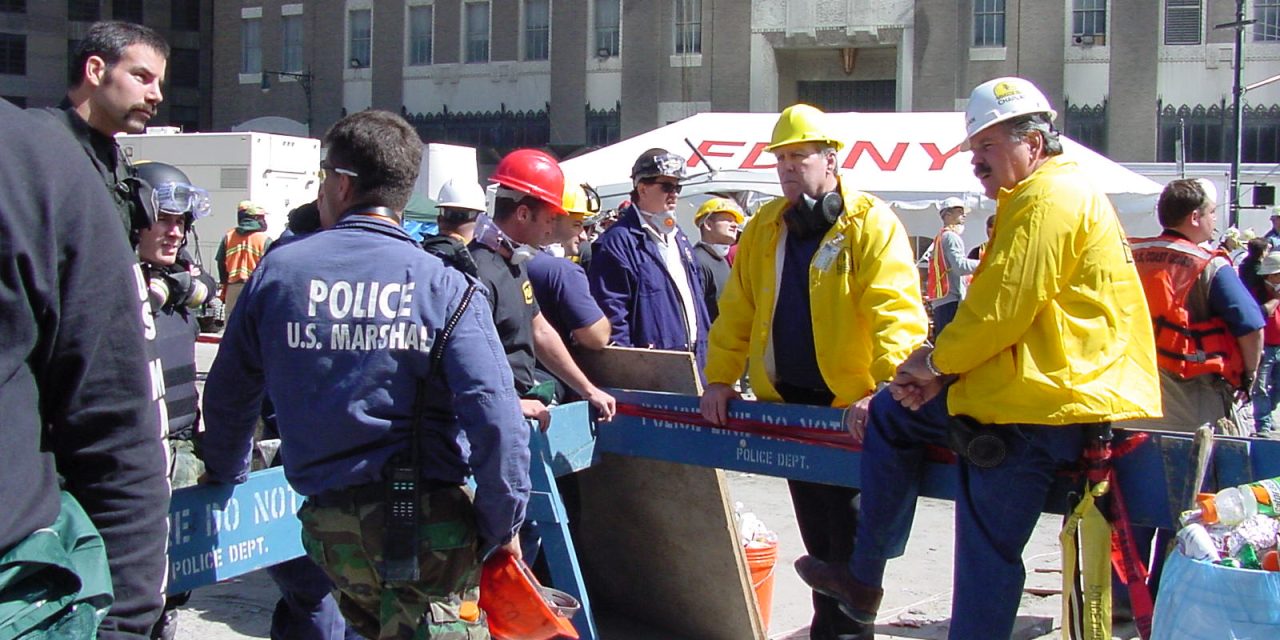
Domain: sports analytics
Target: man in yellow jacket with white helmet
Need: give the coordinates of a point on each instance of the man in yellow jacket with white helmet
(1053, 341)
(822, 303)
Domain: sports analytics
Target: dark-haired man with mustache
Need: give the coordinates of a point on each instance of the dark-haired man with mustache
(119, 68)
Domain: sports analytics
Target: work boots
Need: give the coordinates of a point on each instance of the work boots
(857, 600)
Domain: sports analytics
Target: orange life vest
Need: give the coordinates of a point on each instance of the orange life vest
(1189, 343)
(243, 253)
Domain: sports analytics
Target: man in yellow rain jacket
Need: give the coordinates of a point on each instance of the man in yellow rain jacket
(822, 303)
(1053, 339)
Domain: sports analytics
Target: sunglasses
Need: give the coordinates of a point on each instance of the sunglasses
(326, 168)
(667, 187)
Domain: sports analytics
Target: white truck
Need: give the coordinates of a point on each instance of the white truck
(275, 171)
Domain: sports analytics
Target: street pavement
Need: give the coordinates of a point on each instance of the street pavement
(916, 605)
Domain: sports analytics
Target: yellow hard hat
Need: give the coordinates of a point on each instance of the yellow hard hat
(802, 123)
(580, 200)
(717, 205)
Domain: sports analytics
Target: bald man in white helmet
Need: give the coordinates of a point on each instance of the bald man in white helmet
(1051, 344)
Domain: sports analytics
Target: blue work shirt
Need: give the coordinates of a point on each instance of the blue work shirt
(337, 328)
(629, 279)
(563, 294)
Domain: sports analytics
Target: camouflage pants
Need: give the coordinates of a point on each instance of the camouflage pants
(344, 535)
(184, 466)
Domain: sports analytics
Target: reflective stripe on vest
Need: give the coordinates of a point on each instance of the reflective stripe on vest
(243, 253)
(1169, 268)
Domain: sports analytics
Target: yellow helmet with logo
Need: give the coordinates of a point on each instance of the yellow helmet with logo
(717, 205)
(802, 123)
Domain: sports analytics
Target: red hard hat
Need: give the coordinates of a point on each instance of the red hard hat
(535, 173)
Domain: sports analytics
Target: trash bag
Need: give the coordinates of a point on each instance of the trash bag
(1199, 600)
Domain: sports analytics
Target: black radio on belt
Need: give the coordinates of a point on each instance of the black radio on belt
(400, 536)
(403, 474)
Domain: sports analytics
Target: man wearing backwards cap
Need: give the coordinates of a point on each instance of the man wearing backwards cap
(1053, 337)
(643, 272)
(948, 266)
(718, 221)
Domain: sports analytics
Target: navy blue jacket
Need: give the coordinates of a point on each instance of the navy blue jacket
(337, 327)
(75, 392)
(629, 279)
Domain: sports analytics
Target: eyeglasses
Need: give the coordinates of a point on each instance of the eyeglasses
(325, 168)
(667, 187)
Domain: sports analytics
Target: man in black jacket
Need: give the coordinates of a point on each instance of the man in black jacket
(75, 392)
(119, 68)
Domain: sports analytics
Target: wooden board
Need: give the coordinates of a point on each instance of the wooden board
(656, 539)
(658, 544)
(641, 369)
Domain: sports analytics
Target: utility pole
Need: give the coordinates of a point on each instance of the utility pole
(1237, 108)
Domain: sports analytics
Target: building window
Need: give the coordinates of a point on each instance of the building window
(127, 10)
(13, 6)
(251, 45)
(185, 15)
(291, 43)
(186, 117)
(477, 30)
(1089, 18)
(1267, 14)
(420, 31)
(1182, 22)
(537, 29)
(184, 67)
(360, 38)
(608, 17)
(688, 26)
(988, 23)
(83, 10)
(13, 54)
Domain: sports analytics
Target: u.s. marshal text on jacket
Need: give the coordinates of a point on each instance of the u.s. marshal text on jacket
(338, 326)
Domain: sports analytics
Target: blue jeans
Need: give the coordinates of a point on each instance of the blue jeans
(943, 314)
(996, 508)
(1268, 393)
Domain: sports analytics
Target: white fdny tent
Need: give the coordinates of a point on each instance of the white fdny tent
(911, 160)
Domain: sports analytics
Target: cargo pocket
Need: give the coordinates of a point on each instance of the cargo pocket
(455, 619)
(449, 564)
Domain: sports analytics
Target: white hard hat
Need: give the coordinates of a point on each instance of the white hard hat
(1270, 264)
(953, 202)
(461, 194)
(995, 101)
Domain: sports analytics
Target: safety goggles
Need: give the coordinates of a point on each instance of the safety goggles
(175, 198)
(593, 199)
(668, 187)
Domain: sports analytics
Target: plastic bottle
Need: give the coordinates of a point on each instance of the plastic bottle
(1229, 506)
(1267, 494)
